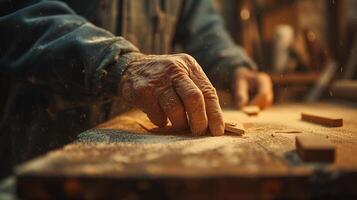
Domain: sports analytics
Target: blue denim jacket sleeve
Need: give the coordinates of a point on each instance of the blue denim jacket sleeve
(201, 31)
(45, 44)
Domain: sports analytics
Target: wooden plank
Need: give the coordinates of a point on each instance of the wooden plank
(315, 149)
(326, 121)
(261, 163)
(235, 128)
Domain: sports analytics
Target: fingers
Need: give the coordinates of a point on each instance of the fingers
(172, 106)
(213, 109)
(155, 114)
(189, 92)
(264, 96)
(246, 80)
(210, 98)
(241, 91)
(150, 107)
(193, 101)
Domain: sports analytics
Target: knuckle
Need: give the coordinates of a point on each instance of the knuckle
(170, 62)
(173, 65)
(188, 59)
(209, 92)
(193, 95)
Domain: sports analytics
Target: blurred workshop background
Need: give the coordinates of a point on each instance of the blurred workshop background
(307, 46)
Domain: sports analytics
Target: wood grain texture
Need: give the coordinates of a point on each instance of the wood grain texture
(111, 161)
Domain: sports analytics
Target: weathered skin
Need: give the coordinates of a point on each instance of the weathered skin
(247, 82)
(59, 73)
(169, 86)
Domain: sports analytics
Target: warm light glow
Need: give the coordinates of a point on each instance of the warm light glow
(311, 36)
(245, 14)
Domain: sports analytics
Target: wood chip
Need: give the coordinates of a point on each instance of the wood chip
(288, 131)
(251, 110)
(235, 128)
(325, 121)
(314, 149)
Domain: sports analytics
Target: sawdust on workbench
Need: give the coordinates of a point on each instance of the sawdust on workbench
(109, 150)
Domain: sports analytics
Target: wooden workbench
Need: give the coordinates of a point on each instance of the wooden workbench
(112, 162)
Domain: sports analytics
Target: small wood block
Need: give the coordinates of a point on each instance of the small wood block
(234, 128)
(325, 121)
(314, 149)
(251, 110)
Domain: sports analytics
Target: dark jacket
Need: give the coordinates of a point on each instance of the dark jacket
(59, 71)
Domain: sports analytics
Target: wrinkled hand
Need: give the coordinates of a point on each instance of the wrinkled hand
(251, 83)
(173, 87)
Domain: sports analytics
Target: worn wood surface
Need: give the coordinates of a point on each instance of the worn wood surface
(113, 162)
(313, 148)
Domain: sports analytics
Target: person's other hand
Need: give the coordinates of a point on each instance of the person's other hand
(249, 83)
(173, 87)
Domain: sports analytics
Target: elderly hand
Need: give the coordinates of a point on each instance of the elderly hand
(173, 87)
(248, 82)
